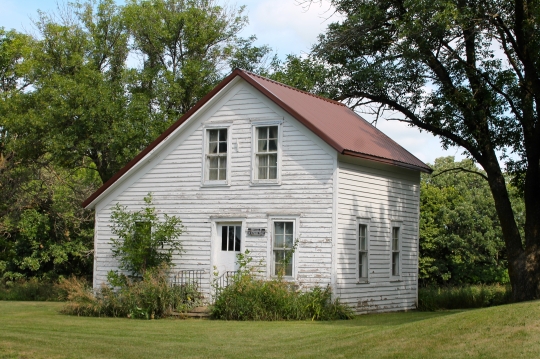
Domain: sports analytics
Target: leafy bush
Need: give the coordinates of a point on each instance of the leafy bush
(143, 241)
(30, 289)
(251, 298)
(474, 296)
(147, 298)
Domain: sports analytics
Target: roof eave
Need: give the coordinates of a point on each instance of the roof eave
(425, 169)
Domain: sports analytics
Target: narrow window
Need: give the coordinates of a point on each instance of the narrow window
(362, 252)
(395, 251)
(231, 238)
(283, 242)
(266, 153)
(216, 155)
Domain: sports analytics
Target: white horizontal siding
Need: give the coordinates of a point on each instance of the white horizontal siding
(175, 182)
(381, 194)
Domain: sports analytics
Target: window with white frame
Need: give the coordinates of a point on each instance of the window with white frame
(362, 255)
(216, 154)
(282, 247)
(396, 250)
(266, 153)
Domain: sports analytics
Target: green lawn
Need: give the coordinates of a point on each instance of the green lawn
(37, 330)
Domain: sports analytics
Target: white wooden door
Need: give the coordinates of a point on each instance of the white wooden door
(226, 246)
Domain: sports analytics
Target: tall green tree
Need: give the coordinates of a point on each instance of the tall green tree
(185, 47)
(461, 241)
(466, 71)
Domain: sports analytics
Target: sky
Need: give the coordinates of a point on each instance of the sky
(288, 27)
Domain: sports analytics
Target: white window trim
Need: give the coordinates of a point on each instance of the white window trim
(204, 175)
(398, 224)
(265, 123)
(365, 222)
(270, 238)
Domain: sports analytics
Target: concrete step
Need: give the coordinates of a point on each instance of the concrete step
(197, 312)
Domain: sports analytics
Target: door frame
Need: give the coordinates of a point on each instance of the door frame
(215, 236)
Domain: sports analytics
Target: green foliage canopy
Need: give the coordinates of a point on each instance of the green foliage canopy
(466, 71)
(461, 241)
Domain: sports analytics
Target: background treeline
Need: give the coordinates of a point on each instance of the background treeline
(97, 82)
(91, 87)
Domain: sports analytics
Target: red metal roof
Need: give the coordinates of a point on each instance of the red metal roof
(332, 121)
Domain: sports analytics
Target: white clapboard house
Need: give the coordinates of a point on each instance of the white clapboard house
(257, 165)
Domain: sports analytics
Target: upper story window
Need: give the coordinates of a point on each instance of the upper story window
(216, 152)
(266, 153)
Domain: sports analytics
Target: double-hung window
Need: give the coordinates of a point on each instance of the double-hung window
(216, 155)
(396, 251)
(362, 245)
(282, 247)
(266, 153)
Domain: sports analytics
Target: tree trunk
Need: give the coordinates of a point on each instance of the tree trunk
(523, 261)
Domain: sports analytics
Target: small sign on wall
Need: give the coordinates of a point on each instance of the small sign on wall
(256, 231)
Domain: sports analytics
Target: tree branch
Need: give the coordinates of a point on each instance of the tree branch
(460, 169)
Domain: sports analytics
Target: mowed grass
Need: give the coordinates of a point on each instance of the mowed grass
(37, 330)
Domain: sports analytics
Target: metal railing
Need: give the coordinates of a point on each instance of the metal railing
(223, 281)
(192, 277)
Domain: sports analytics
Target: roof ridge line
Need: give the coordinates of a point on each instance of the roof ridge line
(295, 89)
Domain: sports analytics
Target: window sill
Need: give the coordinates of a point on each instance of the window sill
(395, 280)
(362, 282)
(216, 184)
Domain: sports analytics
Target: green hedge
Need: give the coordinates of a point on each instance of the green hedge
(250, 298)
(473, 296)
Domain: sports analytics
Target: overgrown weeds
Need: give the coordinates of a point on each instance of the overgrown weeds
(31, 289)
(252, 298)
(472, 296)
(150, 297)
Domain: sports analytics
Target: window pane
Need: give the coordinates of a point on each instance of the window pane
(223, 147)
(279, 227)
(279, 257)
(262, 172)
(289, 240)
(278, 241)
(262, 132)
(273, 132)
(222, 174)
(272, 172)
(262, 146)
(360, 265)
(395, 263)
(224, 238)
(231, 238)
(289, 228)
(213, 135)
(212, 147)
(223, 162)
(263, 161)
(213, 174)
(213, 162)
(223, 134)
(237, 241)
(272, 160)
(272, 145)
(395, 238)
(288, 269)
(362, 239)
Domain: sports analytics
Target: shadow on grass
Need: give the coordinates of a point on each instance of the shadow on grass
(391, 319)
